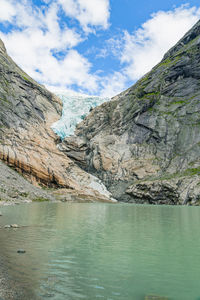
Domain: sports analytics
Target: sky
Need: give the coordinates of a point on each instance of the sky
(95, 47)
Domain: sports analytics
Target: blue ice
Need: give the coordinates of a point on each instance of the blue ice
(75, 109)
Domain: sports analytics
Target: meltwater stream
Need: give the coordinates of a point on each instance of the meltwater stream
(100, 251)
(75, 109)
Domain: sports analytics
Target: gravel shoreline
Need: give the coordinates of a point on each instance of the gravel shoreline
(15, 189)
(10, 289)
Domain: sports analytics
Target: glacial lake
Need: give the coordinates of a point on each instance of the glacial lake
(100, 251)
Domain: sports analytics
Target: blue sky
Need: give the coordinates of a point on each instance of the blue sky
(98, 47)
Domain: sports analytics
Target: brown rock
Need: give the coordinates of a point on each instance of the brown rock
(27, 142)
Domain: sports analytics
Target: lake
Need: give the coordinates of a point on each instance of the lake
(100, 251)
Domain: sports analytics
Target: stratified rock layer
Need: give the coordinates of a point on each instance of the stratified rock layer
(26, 141)
(145, 143)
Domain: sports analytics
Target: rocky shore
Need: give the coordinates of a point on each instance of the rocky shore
(10, 289)
(15, 189)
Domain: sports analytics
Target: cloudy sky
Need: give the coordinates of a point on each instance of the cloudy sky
(97, 47)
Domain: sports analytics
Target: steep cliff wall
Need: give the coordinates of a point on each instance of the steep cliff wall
(145, 143)
(26, 141)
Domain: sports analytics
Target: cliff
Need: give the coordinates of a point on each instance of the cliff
(27, 143)
(145, 143)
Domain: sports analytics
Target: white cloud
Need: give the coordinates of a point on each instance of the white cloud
(45, 49)
(36, 47)
(73, 69)
(89, 13)
(7, 11)
(146, 46)
(113, 84)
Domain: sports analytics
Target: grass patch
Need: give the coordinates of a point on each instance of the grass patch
(4, 100)
(3, 200)
(26, 78)
(3, 190)
(151, 109)
(24, 194)
(40, 199)
(178, 102)
(142, 95)
(167, 176)
(192, 171)
(187, 172)
(169, 61)
(166, 62)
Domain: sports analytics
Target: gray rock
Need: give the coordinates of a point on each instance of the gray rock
(21, 251)
(14, 226)
(145, 143)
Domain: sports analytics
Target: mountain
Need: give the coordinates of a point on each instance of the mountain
(29, 146)
(145, 143)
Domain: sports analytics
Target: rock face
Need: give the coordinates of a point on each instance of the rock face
(145, 143)
(27, 142)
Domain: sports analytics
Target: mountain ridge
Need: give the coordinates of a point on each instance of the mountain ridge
(145, 143)
(143, 146)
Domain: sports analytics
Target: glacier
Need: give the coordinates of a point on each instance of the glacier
(75, 109)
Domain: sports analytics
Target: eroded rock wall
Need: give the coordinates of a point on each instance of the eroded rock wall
(145, 143)
(27, 142)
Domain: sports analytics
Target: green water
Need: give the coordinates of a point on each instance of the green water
(101, 251)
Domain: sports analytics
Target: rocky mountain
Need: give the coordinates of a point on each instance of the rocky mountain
(145, 143)
(28, 144)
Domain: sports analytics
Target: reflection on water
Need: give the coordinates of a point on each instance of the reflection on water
(102, 251)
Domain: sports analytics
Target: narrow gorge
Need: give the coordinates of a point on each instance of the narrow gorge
(142, 146)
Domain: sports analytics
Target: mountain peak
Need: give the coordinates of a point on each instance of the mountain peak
(192, 36)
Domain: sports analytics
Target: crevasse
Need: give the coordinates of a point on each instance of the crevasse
(75, 109)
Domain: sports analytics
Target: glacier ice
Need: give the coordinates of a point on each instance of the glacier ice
(75, 109)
